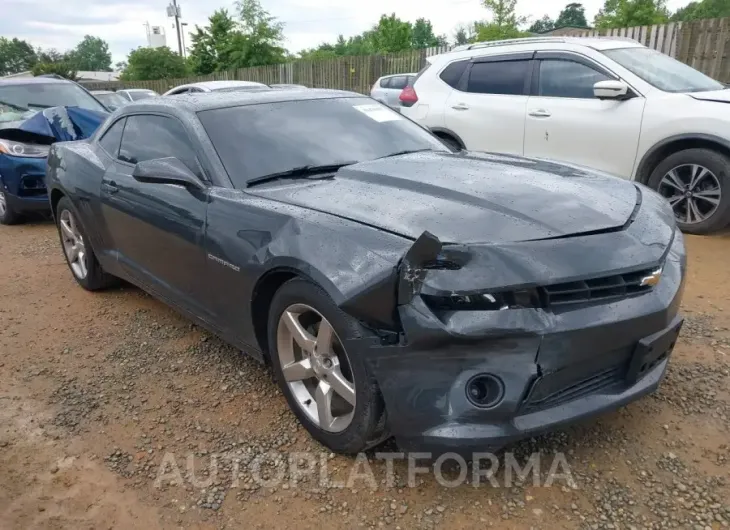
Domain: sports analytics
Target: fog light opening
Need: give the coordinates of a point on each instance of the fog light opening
(485, 390)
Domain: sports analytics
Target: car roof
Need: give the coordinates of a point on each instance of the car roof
(136, 90)
(101, 92)
(535, 44)
(34, 81)
(217, 100)
(217, 85)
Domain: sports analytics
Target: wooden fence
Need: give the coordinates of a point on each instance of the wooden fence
(702, 44)
(357, 74)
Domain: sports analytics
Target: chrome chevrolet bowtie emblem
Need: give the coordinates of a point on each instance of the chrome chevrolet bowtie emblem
(652, 279)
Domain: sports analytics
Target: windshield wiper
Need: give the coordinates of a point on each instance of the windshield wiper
(17, 107)
(41, 105)
(406, 152)
(300, 172)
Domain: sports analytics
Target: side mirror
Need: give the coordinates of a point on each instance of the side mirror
(612, 90)
(168, 170)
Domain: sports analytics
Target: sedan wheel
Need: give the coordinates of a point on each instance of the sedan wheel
(693, 191)
(3, 204)
(322, 374)
(316, 368)
(7, 215)
(73, 245)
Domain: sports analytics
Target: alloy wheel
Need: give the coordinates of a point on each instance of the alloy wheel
(693, 191)
(3, 204)
(73, 244)
(316, 368)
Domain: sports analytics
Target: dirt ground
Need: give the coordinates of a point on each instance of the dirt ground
(97, 390)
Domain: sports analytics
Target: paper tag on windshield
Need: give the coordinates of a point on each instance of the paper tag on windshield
(378, 112)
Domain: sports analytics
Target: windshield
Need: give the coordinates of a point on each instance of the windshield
(136, 95)
(254, 141)
(111, 100)
(39, 96)
(662, 71)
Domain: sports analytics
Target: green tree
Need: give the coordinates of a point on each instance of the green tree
(542, 25)
(153, 63)
(211, 46)
(16, 56)
(465, 34)
(572, 15)
(503, 12)
(703, 9)
(91, 54)
(51, 55)
(628, 13)
(63, 68)
(492, 31)
(391, 35)
(260, 37)
(422, 35)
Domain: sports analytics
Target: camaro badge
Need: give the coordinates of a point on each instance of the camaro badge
(652, 279)
(224, 263)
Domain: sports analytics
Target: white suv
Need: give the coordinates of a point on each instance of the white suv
(610, 104)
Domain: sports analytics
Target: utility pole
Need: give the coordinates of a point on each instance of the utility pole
(177, 27)
(182, 31)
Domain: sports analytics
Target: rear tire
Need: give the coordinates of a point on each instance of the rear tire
(8, 216)
(349, 427)
(77, 250)
(696, 182)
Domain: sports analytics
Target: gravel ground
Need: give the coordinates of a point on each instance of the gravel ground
(115, 412)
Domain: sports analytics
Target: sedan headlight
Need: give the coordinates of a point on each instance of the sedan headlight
(496, 301)
(20, 149)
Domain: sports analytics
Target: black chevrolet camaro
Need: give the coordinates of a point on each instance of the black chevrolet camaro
(456, 301)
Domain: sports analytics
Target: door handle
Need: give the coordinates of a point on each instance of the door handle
(110, 187)
(540, 113)
(460, 106)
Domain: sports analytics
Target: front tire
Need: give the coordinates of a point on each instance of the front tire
(696, 182)
(328, 388)
(8, 216)
(77, 249)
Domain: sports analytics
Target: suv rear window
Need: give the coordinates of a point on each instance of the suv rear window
(499, 77)
(452, 73)
(398, 82)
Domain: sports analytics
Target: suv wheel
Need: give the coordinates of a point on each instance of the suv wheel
(7, 215)
(696, 182)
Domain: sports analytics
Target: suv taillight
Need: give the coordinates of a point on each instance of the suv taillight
(408, 96)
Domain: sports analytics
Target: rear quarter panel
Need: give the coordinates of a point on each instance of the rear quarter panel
(75, 169)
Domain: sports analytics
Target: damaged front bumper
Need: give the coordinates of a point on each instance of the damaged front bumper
(477, 380)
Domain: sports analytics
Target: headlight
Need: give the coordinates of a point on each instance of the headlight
(498, 301)
(11, 148)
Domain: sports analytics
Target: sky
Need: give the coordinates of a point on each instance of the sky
(62, 24)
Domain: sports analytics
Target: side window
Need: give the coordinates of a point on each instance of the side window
(398, 82)
(499, 77)
(385, 82)
(452, 73)
(567, 79)
(112, 138)
(147, 137)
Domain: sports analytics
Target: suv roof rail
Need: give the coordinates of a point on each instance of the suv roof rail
(506, 42)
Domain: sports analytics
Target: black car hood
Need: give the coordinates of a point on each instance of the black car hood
(467, 198)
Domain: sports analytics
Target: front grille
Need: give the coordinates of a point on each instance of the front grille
(602, 380)
(605, 288)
